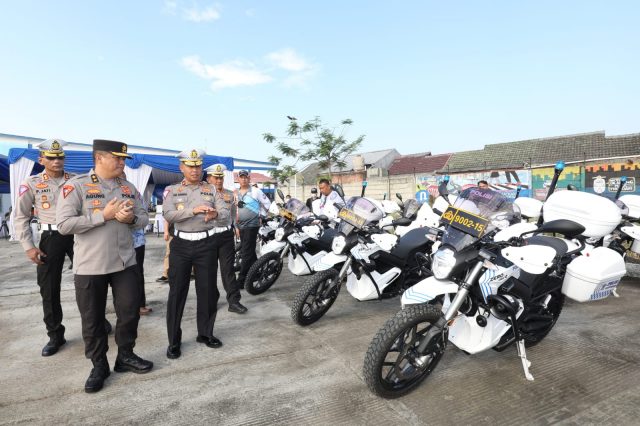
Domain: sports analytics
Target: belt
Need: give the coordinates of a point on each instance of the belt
(197, 236)
(47, 227)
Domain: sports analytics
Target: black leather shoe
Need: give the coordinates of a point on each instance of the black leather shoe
(53, 346)
(107, 327)
(237, 307)
(99, 373)
(212, 342)
(128, 361)
(162, 279)
(174, 352)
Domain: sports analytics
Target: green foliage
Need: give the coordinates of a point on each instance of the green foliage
(310, 142)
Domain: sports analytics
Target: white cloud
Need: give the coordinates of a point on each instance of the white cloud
(195, 14)
(228, 74)
(289, 60)
(170, 7)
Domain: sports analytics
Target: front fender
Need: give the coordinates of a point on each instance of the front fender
(427, 290)
(272, 246)
(328, 261)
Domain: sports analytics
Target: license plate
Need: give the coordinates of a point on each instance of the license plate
(350, 217)
(466, 222)
(287, 215)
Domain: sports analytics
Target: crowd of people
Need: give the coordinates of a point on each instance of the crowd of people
(97, 219)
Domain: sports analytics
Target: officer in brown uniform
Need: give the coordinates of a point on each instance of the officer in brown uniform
(225, 240)
(101, 209)
(192, 206)
(42, 191)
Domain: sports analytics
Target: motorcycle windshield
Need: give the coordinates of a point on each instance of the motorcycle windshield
(411, 207)
(358, 212)
(475, 213)
(297, 207)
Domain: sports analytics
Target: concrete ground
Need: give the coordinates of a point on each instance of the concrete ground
(273, 371)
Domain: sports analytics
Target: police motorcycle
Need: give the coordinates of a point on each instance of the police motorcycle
(375, 264)
(499, 285)
(301, 236)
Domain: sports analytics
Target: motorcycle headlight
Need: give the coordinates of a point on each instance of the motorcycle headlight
(279, 234)
(442, 263)
(338, 244)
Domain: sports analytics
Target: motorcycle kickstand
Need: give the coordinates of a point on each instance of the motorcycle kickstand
(615, 293)
(523, 357)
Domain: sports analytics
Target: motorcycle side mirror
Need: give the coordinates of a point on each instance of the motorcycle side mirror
(339, 190)
(443, 191)
(403, 221)
(572, 187)
(399, 196)
(280, 194)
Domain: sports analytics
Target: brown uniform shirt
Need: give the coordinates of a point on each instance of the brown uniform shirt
(180, 200)
(41, 192)
(100, 247)
(229, 205)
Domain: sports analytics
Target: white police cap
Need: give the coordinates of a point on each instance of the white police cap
(217, 170)
(192, 157)
(52, 147)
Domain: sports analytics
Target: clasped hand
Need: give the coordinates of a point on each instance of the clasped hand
(210, 213)
(122, 211)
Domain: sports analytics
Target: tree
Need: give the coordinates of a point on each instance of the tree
(311, 142)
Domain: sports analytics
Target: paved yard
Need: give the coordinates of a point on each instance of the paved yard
(273, 371)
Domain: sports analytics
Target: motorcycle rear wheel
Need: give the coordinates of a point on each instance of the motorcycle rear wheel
(315, 297)
(263, 273)
(392, 368)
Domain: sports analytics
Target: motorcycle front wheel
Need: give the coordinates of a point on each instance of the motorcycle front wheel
(392, 366)
(315, 297)
(263, 273)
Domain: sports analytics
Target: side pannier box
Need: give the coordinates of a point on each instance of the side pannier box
(594, 275)
(633, 203)
(597, 214)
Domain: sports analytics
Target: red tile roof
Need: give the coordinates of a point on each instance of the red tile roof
(418, 163)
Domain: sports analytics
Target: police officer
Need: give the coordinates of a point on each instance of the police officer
(314, 196)
(225, 240)
(42, 191)
(192, 206)
(101, 210)
(328, 198)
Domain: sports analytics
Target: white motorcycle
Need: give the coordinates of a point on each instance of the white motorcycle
(498, 287)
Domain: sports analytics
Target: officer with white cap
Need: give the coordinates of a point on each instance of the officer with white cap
(225, 240)
(102, 209)
(193, 207)
(42, 192)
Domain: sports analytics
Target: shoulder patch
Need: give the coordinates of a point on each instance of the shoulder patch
(67, 189)
(23, 189)
(166, 192)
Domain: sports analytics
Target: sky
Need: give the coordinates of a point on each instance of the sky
(412, 75)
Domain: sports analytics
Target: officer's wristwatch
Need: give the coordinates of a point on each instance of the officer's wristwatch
(135, 219)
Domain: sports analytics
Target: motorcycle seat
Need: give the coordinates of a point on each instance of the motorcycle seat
(557, 244)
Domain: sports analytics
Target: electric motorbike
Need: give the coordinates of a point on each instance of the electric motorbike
(501, 283)
(375, 264)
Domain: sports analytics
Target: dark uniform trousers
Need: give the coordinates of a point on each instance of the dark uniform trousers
(140, 263)
(248, 238)
(226, 254)
(91, 295)
(202, 255)
(55, 246)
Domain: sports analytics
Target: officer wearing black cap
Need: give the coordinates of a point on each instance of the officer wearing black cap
(192, 206)
(225, 239)
(101, 209)
(42, 192)
(314, 196)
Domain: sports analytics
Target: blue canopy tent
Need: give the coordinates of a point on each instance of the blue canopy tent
(4, 175)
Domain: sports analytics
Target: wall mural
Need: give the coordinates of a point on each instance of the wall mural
(604, 178)
(505, 181)
(541, 180)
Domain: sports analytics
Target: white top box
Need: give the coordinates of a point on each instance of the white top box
(597, 214)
